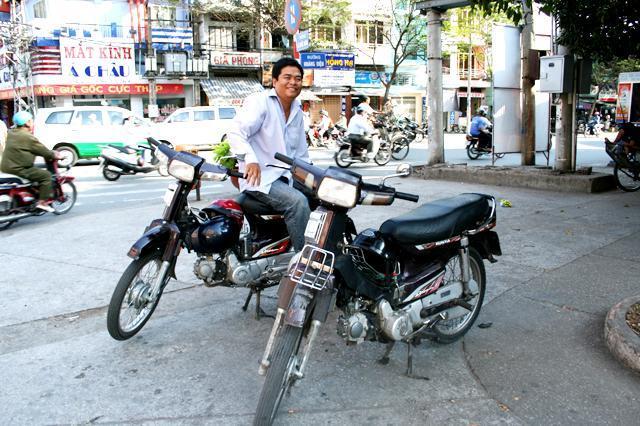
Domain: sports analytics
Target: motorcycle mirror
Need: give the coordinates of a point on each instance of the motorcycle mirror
(404, 170)
(212, 176)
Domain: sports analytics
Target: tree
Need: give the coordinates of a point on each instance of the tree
(590, 28)
(406, 37)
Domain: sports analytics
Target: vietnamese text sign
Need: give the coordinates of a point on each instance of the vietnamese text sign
(88, 61)
(235, 59)
(331, 78)
(302, 40)
(329, 61)
(624, 102)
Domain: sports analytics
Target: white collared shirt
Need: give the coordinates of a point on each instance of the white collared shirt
(259, 131)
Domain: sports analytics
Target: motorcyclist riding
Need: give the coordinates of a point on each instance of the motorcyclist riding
(481, 128)
(360, 131)
(20, 152)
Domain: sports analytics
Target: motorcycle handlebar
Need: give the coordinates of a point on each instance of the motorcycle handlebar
(407, 196)
(283, 158)
(235, 173)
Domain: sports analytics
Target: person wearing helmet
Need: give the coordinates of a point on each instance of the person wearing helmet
(481, 128)
(326, 125)
(360, 130)
(20, 152)
(342, 121)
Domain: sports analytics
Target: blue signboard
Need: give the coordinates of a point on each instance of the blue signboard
(292, 15)
(328, 61)
(302, 40)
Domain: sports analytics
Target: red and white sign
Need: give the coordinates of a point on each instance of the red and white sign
(97, 89)
(623, 106)
(235, 59)
(88, 61)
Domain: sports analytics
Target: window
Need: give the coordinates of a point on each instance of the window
(116, 118)
(60, 117)
(221, 38)
(226, 113)
(163, 16)
(180, 117)
(370, 32)
(203, 115)
(40, 9)
(327, 33)
(89, 118)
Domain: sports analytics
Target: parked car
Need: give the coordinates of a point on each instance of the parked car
(202, 125)
(81, 132)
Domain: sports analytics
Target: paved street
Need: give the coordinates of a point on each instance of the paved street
(567, 259)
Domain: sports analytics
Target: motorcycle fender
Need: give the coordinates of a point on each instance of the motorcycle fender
(155, 235)
(297, 312)
(488, 244)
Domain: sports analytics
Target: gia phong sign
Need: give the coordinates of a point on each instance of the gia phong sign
(88, 61)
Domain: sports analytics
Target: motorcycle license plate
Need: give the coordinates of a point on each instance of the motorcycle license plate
(314, 226)
(168, 195)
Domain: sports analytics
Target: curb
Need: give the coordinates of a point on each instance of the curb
(623, 343)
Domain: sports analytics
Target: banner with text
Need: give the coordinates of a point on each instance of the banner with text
(89, 61)
(328, 61)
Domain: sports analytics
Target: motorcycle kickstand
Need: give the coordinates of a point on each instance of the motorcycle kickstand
(409, 372)
(259, 312)
(385, 358)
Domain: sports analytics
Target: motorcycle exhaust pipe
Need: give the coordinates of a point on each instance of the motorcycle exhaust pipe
(12, 218)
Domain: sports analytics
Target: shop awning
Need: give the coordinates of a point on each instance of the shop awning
(230, 87)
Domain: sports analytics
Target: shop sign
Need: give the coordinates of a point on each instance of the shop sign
(623, 107)
(302, 40)
(88, 61)
(332, 78)
(235, 59)
(328, 61)
(107, 89)
(369, 78)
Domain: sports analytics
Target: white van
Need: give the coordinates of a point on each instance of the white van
(202, 125)
(81, 132)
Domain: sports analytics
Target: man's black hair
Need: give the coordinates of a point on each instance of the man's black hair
(285, 62)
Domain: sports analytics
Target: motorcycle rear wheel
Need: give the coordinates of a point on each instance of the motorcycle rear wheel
(383, 156)
(278, 379)
(400, 150)
(626, 179)
(472, 152)
(110, 175)
(451, 329)
(342, 158)
(129, 297)
(66, 199)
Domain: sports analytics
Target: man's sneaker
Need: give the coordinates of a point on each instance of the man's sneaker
(46, 208)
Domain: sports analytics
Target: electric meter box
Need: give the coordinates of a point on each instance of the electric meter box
(556, 74)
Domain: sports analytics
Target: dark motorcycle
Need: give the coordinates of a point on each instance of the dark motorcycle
(19, 196)
(239, 242)
(418, 275)
(116, 161)
(353, 149)
(407, 132)
(626, 170)
(474, 151)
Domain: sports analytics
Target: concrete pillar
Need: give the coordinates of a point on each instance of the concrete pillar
(528, 96)
(564, 127)
(435, 152)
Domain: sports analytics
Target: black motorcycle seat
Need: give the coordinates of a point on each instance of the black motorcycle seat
(254, 206)
(439, 219)
(9, 179)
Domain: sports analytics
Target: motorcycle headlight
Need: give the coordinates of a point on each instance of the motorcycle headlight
(337, 192)
(183, 171)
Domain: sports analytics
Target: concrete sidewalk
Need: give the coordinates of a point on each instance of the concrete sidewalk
(568, 257)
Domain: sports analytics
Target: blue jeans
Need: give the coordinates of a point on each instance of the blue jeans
(293, 204)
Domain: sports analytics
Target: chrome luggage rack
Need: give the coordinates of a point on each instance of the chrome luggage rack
(313, 268)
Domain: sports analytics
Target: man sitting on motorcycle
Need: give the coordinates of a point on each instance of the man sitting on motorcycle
(360, 130)
(20, 152)
(325, 126)
(627, 140)
(481, 128)
(594, 124)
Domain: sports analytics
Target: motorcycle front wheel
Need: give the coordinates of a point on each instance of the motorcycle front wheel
(460, 318)
(342, 158)
(400, 150)
(130, 308)
(383, 156)
(627, 179)
(64, 198)
(279, 375)
(472, 152)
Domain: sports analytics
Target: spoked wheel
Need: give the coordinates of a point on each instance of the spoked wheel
(342, 158)
(110, 175)
(69, 156)
(400, 150)
(627, 179)
(383, 156)
(461, 318)
(279, 377)
(472, 152)
(130, 307)
(65, 198)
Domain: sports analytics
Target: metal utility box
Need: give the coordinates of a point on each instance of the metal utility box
(556, 74)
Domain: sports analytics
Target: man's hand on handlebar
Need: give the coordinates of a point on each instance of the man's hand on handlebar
(252, 174)
(57, 155)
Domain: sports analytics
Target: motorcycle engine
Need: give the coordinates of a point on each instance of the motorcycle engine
(211, 271)
(354, 325)
(5, 203)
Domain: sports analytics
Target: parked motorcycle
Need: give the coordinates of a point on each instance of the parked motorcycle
(239, 242)
(116, 161)
(626, 170)
(19, 196)
(418, 275)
